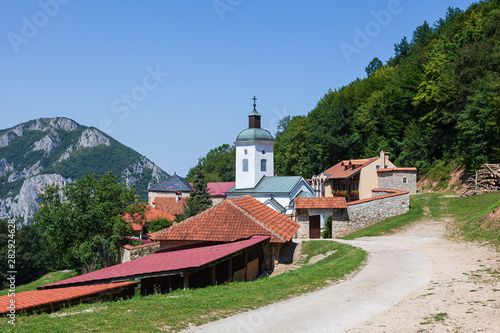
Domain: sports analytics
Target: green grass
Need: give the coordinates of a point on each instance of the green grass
(46, 279)
(176, 310)
(415, 213)
(469, 213)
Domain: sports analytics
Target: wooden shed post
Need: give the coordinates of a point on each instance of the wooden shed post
(212, 275)
(246, 265)
(230, 269)
(185, 280)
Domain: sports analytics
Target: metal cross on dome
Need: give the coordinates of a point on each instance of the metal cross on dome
(254, 99)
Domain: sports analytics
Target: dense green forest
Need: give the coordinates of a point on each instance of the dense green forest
(436, 101)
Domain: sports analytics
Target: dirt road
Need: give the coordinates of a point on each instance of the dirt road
(414, 281)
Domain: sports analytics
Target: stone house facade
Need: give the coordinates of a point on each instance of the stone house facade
(356, 179)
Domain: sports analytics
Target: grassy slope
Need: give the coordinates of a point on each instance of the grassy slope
(176, 310)
(467, 214)
(46, 279)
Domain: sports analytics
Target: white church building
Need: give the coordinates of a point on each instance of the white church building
(255, 174)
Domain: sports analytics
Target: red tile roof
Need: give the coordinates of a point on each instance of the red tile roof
(348, 168)
(162, 262)
(220, 189)
(131, 247)
(396, 169)
(170, 205)
(392, 193)
(320, 203)
(230, 220)
(35, 298)
(151, 214)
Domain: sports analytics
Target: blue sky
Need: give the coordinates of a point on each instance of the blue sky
(174, 79)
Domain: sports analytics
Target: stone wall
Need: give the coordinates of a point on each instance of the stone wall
(152, 195)
(368, 212)
(129, 252)
(302, 218)
(394, 180)
(339, 220)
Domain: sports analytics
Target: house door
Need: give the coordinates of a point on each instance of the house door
(315, 226)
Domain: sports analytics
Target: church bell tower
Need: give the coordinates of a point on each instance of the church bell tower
(254, 153)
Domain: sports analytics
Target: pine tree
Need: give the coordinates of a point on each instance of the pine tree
(199, 200)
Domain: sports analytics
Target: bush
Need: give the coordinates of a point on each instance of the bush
(327, 232)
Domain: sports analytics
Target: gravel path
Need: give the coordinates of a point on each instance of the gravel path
(414, 281)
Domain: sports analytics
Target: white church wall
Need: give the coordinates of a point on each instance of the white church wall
(252, 152)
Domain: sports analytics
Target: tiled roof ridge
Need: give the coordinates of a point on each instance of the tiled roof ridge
(161, 232)
(394, 193)
(247, 214)
(396, 169)
(131, 247)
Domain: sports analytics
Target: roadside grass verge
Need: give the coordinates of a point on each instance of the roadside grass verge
(471, 220)
(416, 212)
(46, 279)
(177, 310)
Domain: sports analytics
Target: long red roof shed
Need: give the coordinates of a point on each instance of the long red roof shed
(163, 263)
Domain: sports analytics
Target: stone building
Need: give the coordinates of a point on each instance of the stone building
(355, 179)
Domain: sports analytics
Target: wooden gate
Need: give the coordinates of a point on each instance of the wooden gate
(315, 226)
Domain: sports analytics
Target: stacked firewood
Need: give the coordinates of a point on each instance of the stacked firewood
(486, 179)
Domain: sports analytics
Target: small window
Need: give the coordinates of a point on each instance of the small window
(245, 151)
(377, 166)
(263, 152)
(263, 165)
(405, 180)
(245, 165)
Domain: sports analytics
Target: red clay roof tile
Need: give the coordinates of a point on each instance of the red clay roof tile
(320, 203)
(34, 298)
(151, 214)
(348, 168)
(396, 169)
(170, 205)
(230, 220)
(392, 193)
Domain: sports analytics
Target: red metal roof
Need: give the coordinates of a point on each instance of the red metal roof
(220, 189)
(230, 220)
(396, 169)
(348, 168)
(171, 205)
(161, 263)
(34, 298)
(320, 203)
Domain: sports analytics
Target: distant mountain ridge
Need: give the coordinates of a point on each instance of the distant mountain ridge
(58, 150)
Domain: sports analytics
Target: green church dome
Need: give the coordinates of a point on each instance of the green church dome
(254, 134)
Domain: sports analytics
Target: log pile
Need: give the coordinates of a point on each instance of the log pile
(486, 179)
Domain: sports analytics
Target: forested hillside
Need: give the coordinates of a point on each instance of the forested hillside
(435, 101)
